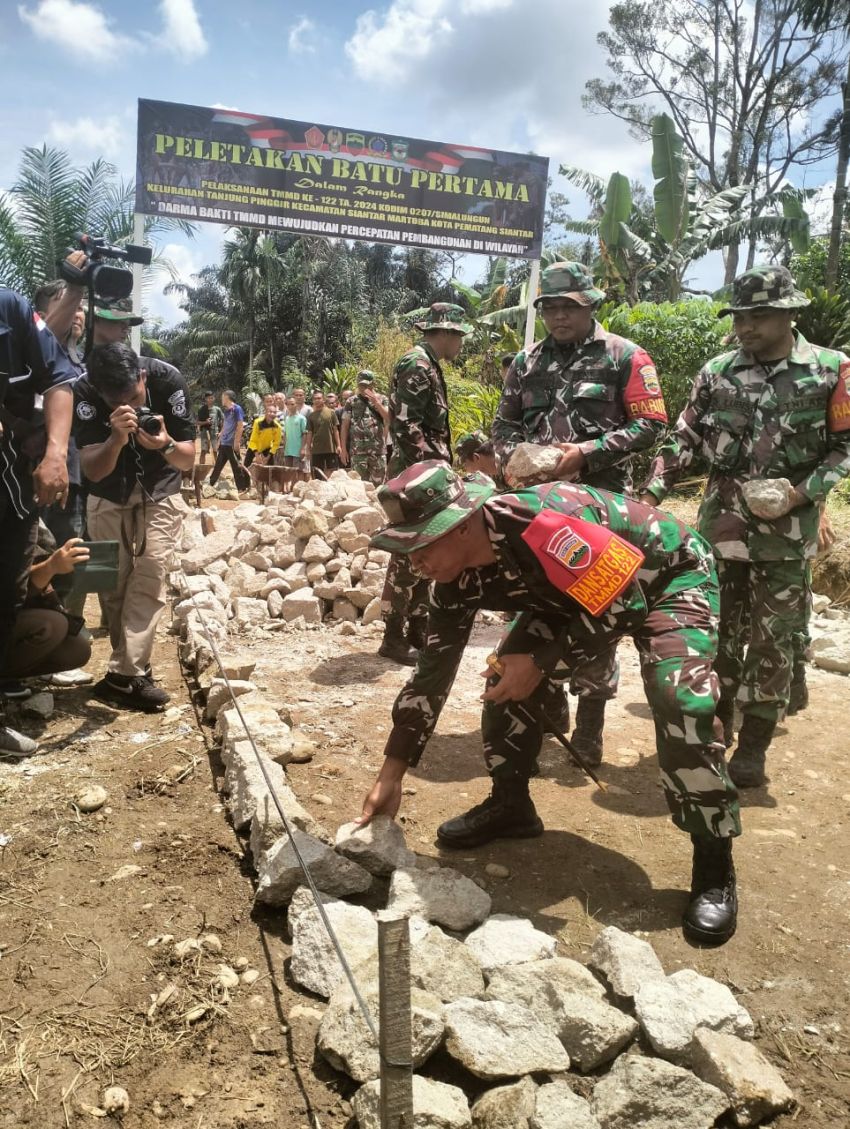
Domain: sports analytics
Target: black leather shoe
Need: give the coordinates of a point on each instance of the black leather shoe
(746, 766)
(587, 735)
(712, 914)
(725, 714)
(394, 646)
(557, 707)
(500, 816)
(798, 699)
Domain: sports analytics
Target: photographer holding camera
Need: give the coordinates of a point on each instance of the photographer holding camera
(134, 427)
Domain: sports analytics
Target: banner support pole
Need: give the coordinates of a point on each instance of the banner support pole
(138, 238)
(531, 312)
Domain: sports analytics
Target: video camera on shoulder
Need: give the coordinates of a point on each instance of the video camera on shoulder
(148, 421)
(103, 280)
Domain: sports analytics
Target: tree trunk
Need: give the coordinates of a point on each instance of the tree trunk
(839, 196)
(732, 254)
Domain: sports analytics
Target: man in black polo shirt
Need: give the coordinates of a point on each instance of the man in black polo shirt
(134, 427)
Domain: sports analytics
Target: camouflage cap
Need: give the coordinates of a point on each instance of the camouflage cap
(366, 376)
(120, 309)
(444, 315)
(468, 443)
(771, 287)
(425, 502)
(569, 280)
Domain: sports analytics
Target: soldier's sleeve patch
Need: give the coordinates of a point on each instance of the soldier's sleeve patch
(643, 397)
(587, 562)
(838, 412)
(417, 380)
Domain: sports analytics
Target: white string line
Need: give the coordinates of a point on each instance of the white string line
(287, 827)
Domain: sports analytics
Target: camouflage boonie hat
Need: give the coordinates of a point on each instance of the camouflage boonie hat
(425, 502)
(468, 443)
(366, 376)
(444, 315)
(120, 309)
(771, 287)
(569, 280)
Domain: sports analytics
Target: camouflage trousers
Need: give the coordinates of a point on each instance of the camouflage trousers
(677, 644)
(764, 617)
(370, 465)
(405, 591)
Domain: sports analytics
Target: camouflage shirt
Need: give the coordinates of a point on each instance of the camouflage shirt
(603, 395)
(419, 411)
(675, 557)
(365, 427)
(790, 419)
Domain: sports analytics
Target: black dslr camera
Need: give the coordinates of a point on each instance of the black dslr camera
(104, 281)
(148, 421)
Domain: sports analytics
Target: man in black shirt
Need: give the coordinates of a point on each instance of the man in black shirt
(134, 427)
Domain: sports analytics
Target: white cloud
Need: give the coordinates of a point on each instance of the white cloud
(182, 33)
(165, 308)
(81, 29)
(387, 45)
(301, 37)
(88, 137)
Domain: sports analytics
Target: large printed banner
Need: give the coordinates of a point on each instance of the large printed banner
(228, 167)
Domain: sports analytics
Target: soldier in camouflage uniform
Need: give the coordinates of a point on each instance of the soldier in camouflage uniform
(419, 429)
(583, 567)
(362, 433)
(776, 408)
(597, 397)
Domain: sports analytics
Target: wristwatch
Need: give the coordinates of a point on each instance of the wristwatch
(168, 448)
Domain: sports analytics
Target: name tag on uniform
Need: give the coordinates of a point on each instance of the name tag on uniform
(588, 562)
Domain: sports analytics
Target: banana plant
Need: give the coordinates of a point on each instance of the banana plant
(685, 223)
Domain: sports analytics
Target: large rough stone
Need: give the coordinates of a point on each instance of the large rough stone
(215, 547)
(526, 983)
(436, 1105)
(207, 602)
(360, 597)
(258, 561)
(315, 573)
(373, 612)
(506, 1107)
(243, 580)
(508, 940)
(347, 1043)
(296, 576)
(367, 519)
(274, 603)
(438, 964)
(304, 604)
(344, 611)
(442, 895)
(309, 520)
(283, 551)
(379, 846)
(246, 785)
(530, 464)
(350, 540)
(624, 960)
(493, 1039)
(767, 497)
(280, 873)
(248, 612)
(752, 1084)
(655, 1095)
(314, 963)
(671, 1010)
(219, 696)
(267, 827)
(266, 727)
(557, 1107)
(316, 550)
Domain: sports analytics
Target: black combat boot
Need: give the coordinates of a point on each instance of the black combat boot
(798, 699)
(557, 706)
(507, 813)
(394, 646)
(712, 913)
(587, 735)
(417, 632)
(746, 767)
(725, 714)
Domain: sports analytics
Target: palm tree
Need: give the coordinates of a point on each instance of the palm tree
(51, 202)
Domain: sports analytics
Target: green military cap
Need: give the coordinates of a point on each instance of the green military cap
(366, 376)
(445, 315)
(771, 287)
(569, 280)
(468, 443)
(120, 309)
(425, 502)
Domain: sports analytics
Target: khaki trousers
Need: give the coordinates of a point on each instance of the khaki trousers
(148, 536)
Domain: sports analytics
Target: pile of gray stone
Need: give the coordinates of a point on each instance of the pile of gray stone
(554, 1042)
(830, 628)
(302, 558)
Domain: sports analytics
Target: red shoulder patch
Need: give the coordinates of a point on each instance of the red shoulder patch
(643, 397)
(838, 412)
(588, 562)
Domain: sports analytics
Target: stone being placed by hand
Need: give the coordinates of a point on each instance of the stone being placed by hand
(379, 846)
(531, 464)
(768, 498)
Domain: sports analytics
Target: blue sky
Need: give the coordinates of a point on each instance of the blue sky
(507, 74)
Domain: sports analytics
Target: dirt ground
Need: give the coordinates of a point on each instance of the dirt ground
(80, 969)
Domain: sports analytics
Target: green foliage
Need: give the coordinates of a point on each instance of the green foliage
(389, 344)
(809, 269)
(340, 378)
(827, 320)
(471, 405)
(256, 382)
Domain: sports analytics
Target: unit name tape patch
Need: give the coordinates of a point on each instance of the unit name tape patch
(588, 562)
